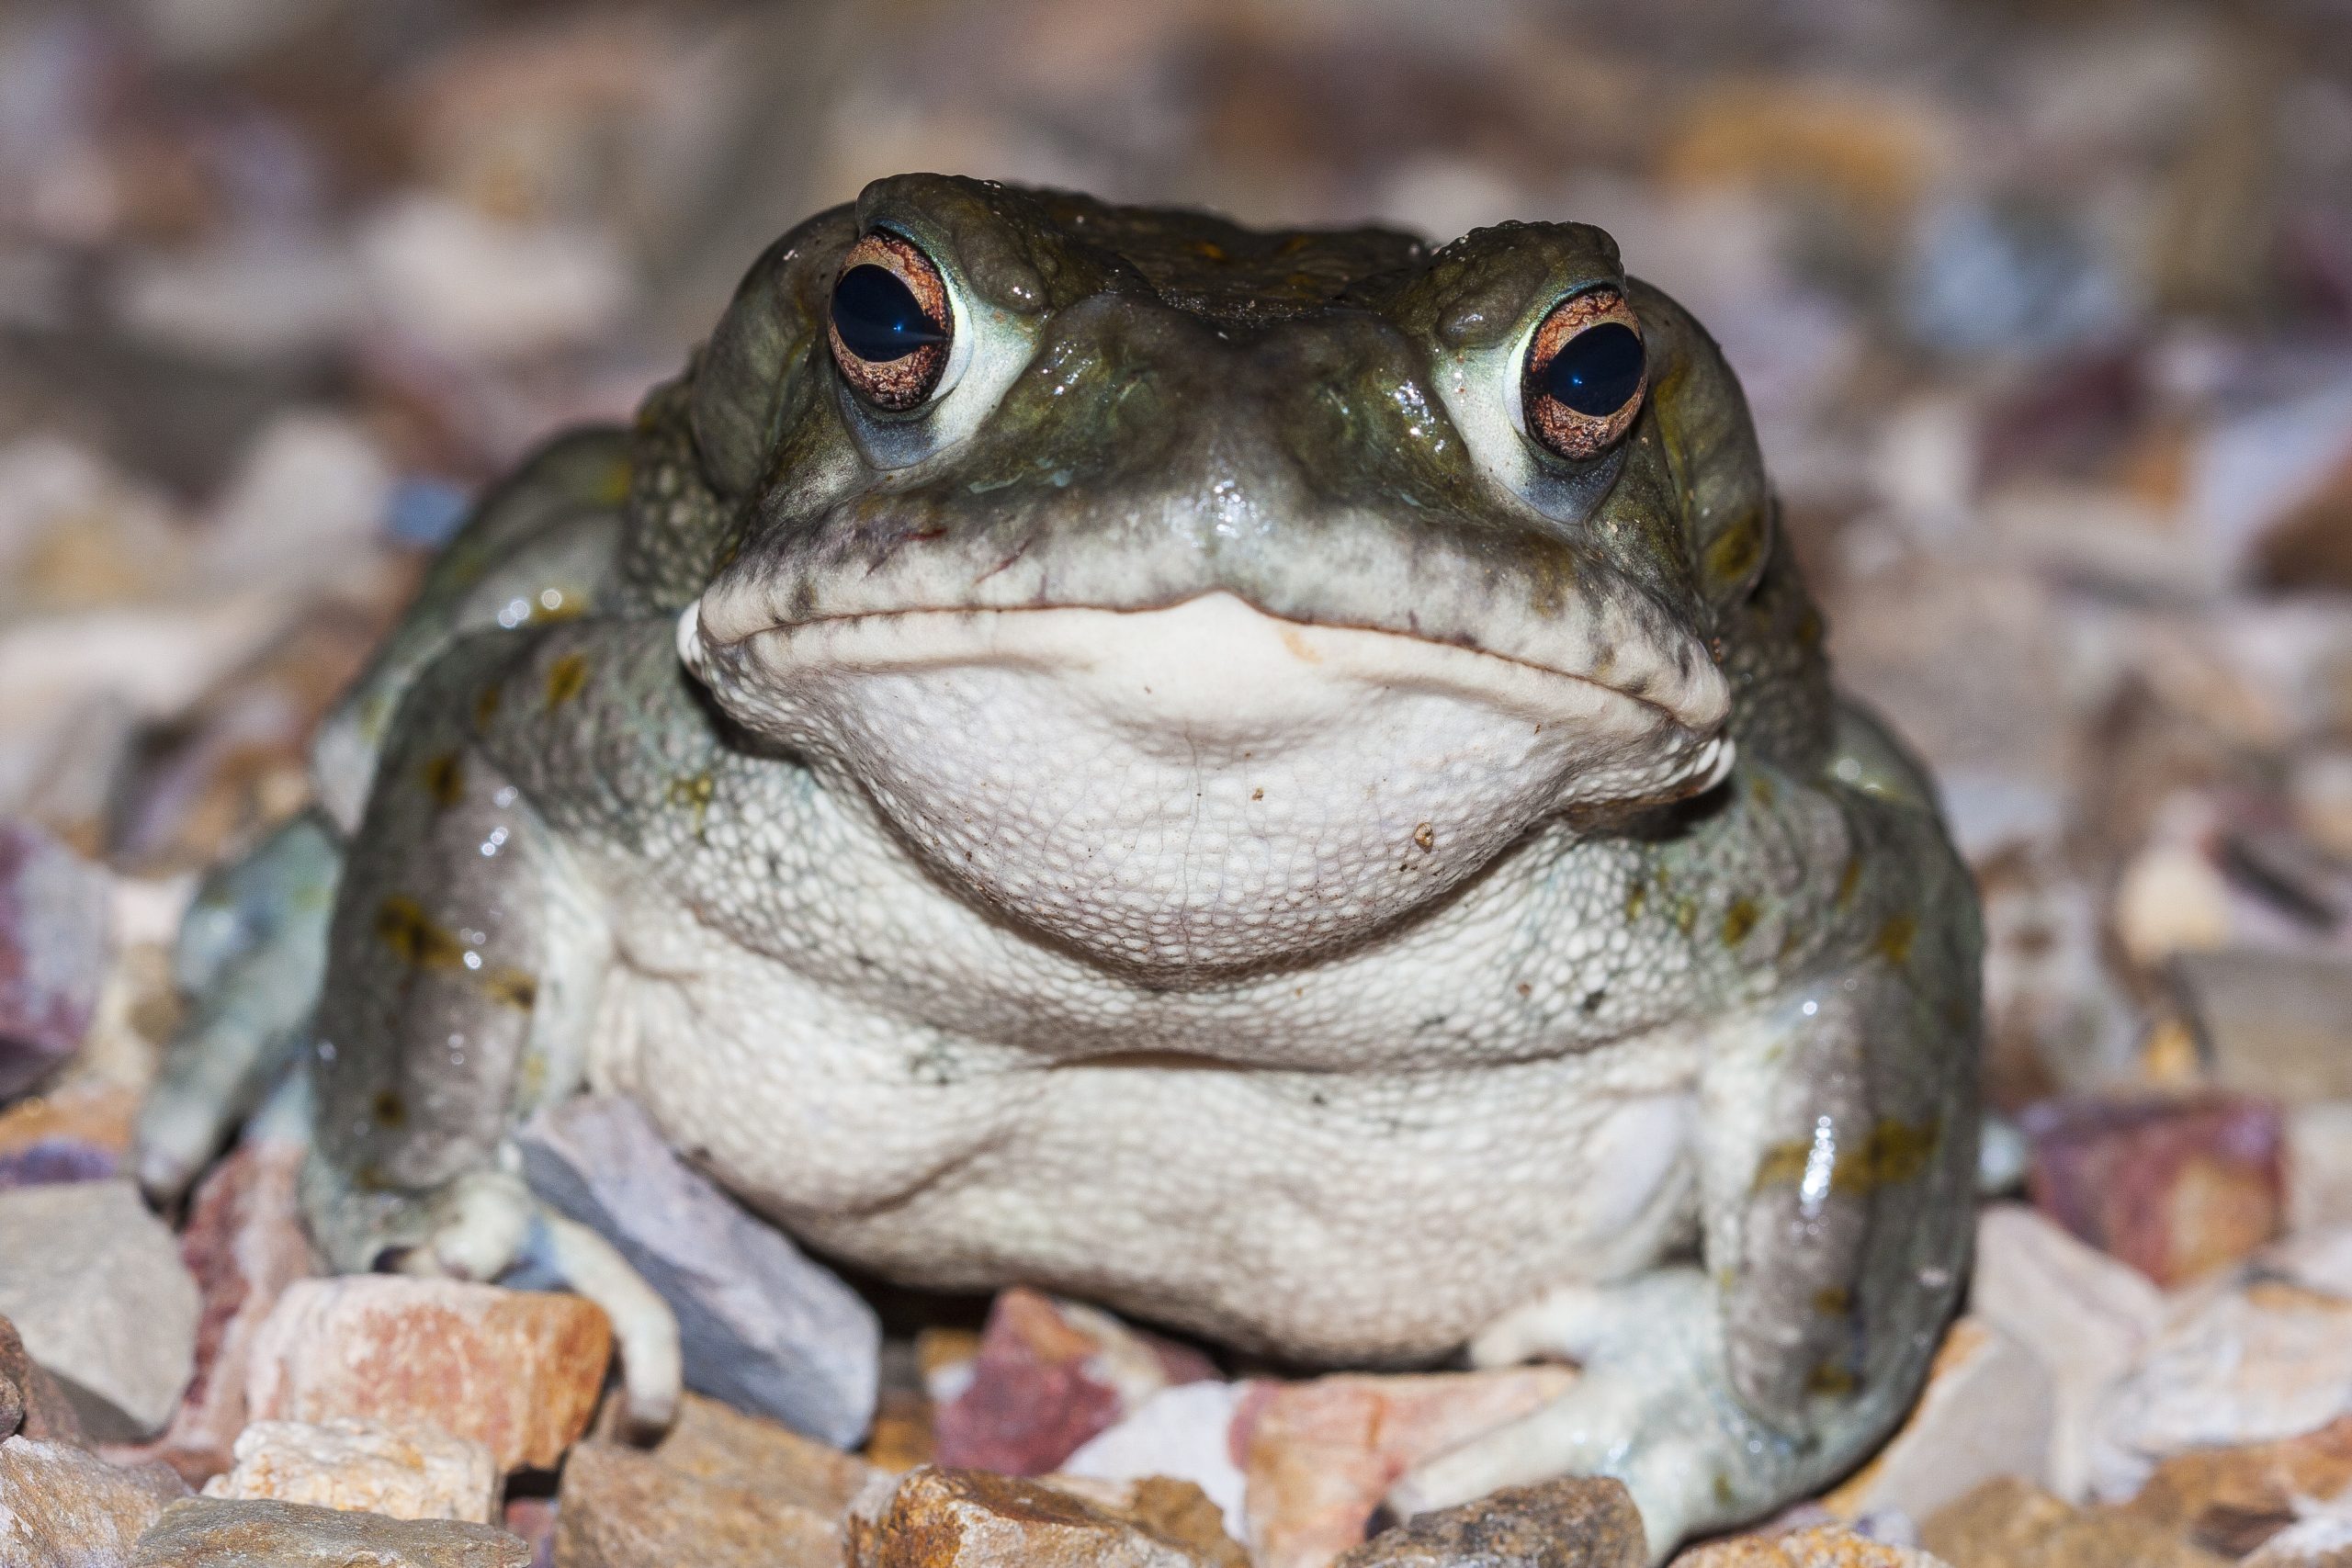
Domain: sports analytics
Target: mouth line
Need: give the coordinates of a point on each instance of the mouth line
(1289, 628)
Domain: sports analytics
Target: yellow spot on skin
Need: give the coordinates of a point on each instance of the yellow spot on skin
(512, 987)
(1761, 789)
(1735, 552)
(1738, 920)
(1299, 648)
(1833, 1301)
(387, 1108)
(1894, 939)
(402, 926)
(1425, 836)
(1831, 1381)
(567, 677)
(1895, 1151)
(1849, 880)
(485, 706)
(445, 780)
(612, 485)
(1810, 629)
(694, 794)
(1636, 894)
(1686, 916)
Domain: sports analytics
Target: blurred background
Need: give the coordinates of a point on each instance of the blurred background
(2044, 306)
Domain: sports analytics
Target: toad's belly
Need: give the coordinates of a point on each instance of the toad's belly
(1336, 1215)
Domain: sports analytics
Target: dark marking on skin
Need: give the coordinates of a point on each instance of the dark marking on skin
(402, 926)
(566, 678)
(485, 706)
(1894, 939)
(1735, 552)
(1833, 1301)
(445, 780)
(1592, 1003)
(1426, 837)
(1810, 629)
(389, 1109)
(512, 987)
(1760, 789)
(1832, 1381)
(1849, 880)
(1686, 916)
(1893, 1153)
(694, 794)
(1738, 920)
(1637, 894)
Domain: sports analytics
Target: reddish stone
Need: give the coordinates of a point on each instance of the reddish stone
(1048, 1376)
(245, 1243)
(30, 1400)
(1321, 1455)
(518, 1372)
(2176, 1188)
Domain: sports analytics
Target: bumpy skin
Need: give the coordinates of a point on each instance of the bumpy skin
(1205, 816)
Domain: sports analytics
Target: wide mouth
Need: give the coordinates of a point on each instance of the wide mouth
(1218, 658)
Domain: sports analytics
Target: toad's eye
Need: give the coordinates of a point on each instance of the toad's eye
(890, 325)
(1583, 382)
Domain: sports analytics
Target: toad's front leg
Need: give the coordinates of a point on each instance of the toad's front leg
(1839, 1134)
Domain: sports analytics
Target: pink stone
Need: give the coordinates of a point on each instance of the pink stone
(2176, 1188)
(518, 1372)
(1049, 1375)
(1320, 1455)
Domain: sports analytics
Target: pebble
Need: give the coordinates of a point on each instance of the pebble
(518, 1372)
(1576, 1522)
(970, 1518)
(2085, 1317)
(1320, 1455)
(1988, 1409)
(1822, 1546)
(62, 1506)
(31, 1401)
(2265, 1362)
(1185, 1432)
(2324, 1542)
(1050, 1374)
(408, 1473)
(53, 943)
(761, 1325)
(2176, 1188)
(245, 1243)
(2319, 1166)
(620, 1507)
(2010, 1523)
(95, 1284)
(1169, 1507)
(2271, 1023)
(2231, 1500)
(207, 1532)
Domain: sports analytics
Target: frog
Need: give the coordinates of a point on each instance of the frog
(1282, 781)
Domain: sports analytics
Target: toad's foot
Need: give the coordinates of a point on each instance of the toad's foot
(488, 1226)
(1653, 1408)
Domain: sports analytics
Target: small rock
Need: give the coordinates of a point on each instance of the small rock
(2231, 1500)
(518, 1372)
(31, 1401)
(969, 1518)
(76, 1134)
(1822, 1546)
(2085, 1317)
(412, 1472)
(711, 1442)
(622, 1508)
(1185, 1432)
(1321, 1455)
(902, 1438)
(207, 1532)
(2323, 1542)
(1169, 1507)
(2319, 1166)
(1577, 1522)
(761, 1325)
(2010, 1523)
(95, 1284)
(2317, 1259)
(1988, 1410)
(2271, 1023)
(2176, 1188)
(533, 1519)
(1049, 1375)
(2265, 1361)
(62, 1506)
(53, 923)
(245, 1243)
(54, 1161)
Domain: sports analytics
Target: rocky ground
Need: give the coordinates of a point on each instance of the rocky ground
(2046, 310)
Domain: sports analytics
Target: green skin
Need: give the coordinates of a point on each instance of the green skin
(1824, 935)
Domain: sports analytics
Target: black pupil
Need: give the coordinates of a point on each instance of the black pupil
(1597, 371)
(878, 317)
